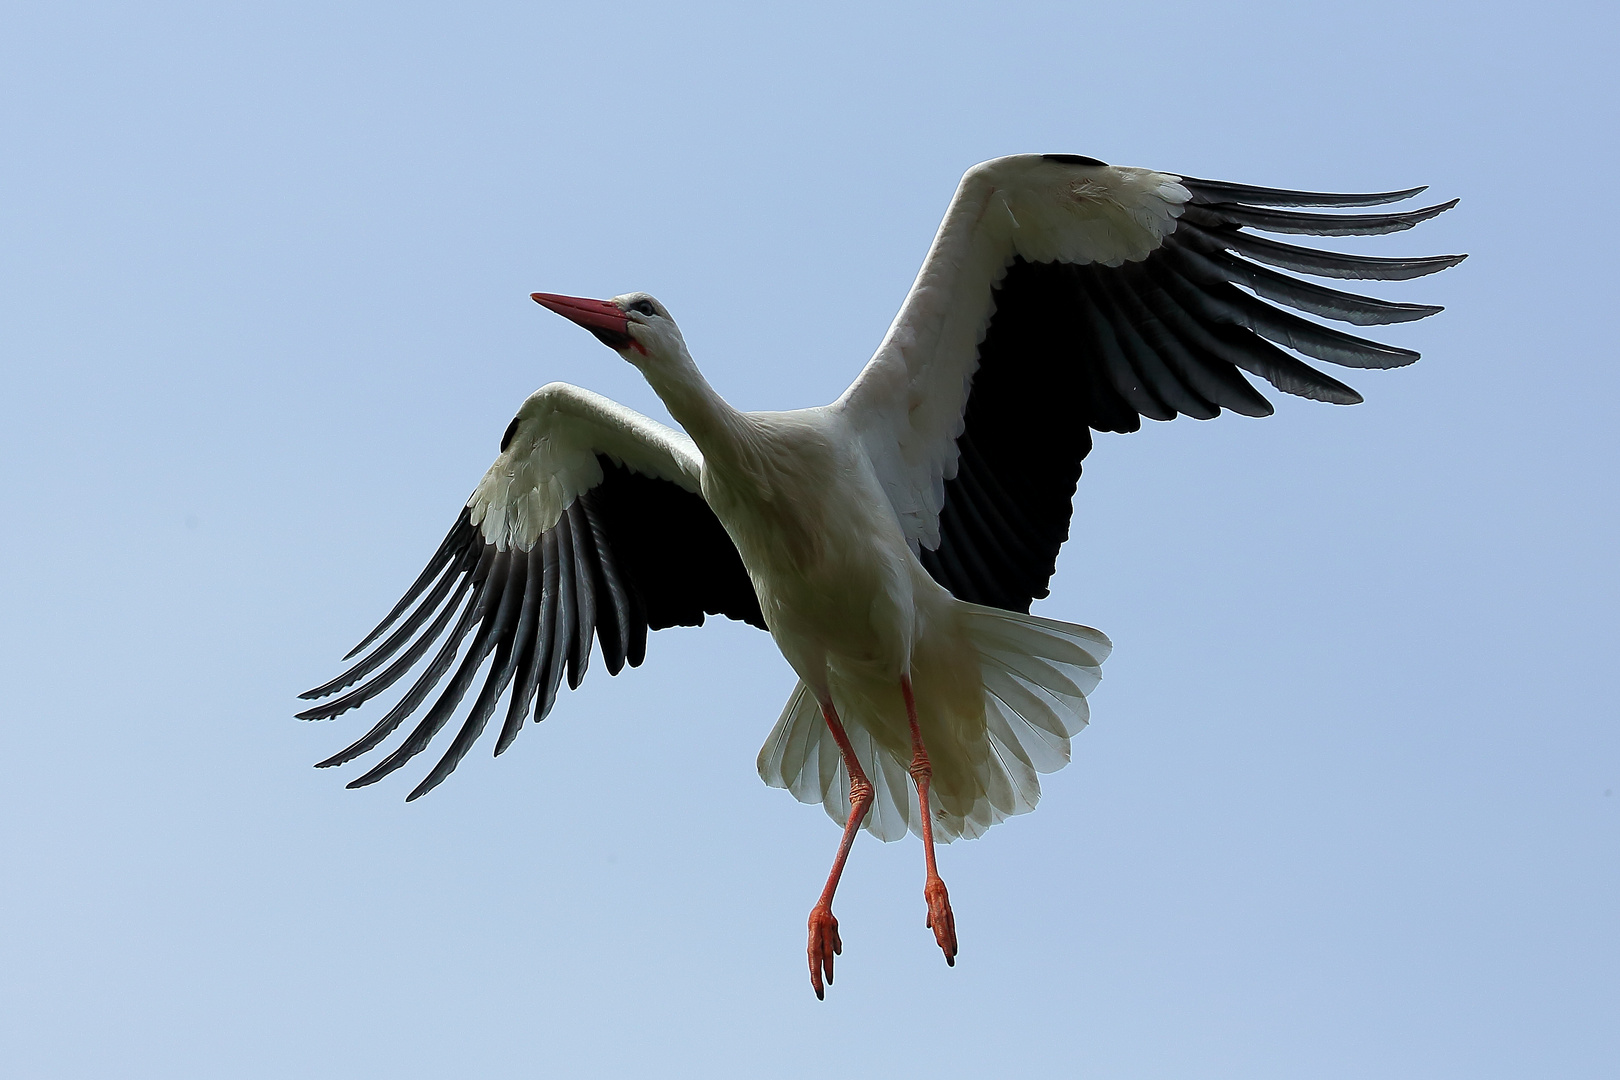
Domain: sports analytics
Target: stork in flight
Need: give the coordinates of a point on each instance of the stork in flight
(892, 541)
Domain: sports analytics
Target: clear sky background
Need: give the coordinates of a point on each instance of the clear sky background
(1347, 807)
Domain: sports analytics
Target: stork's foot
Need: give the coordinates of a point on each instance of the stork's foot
(940, 918)
(824, 945)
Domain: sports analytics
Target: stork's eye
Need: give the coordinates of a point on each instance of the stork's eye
(643, 307)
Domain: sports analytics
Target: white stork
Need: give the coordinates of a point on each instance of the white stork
(890, 542)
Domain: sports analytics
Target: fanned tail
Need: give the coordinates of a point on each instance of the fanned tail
(800, 755)
(1036, 673)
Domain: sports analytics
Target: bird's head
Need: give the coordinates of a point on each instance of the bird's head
(634, 325)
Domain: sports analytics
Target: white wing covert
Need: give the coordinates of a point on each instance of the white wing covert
(1062, 295)
(589, 525)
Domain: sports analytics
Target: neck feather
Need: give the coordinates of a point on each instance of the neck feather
(719, 430)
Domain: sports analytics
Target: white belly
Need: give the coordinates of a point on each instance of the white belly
(832, 571)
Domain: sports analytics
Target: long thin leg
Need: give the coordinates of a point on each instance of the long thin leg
(824, 940)
(940, 917)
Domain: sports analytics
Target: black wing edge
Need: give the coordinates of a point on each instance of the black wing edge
(633, 554)
(1071, 349)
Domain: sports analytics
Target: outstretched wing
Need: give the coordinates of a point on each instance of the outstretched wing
(589, 524)
(1063, 295)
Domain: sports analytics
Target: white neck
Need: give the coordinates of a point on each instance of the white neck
(720, 431)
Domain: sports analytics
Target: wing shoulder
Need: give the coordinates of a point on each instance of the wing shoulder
(552, 452)
(909, 400)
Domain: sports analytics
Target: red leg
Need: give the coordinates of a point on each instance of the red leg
(940, 917)
(824, 941)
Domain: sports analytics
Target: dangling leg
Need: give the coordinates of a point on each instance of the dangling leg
(824, 942)
(940, 917)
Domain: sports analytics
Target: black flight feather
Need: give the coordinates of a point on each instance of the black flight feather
(1218, 191)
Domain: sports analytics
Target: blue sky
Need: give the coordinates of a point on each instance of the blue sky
(1346, 807)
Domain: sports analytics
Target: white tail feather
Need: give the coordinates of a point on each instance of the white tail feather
(1036, 673)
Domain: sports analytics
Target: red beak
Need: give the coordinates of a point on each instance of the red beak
(600, 317)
